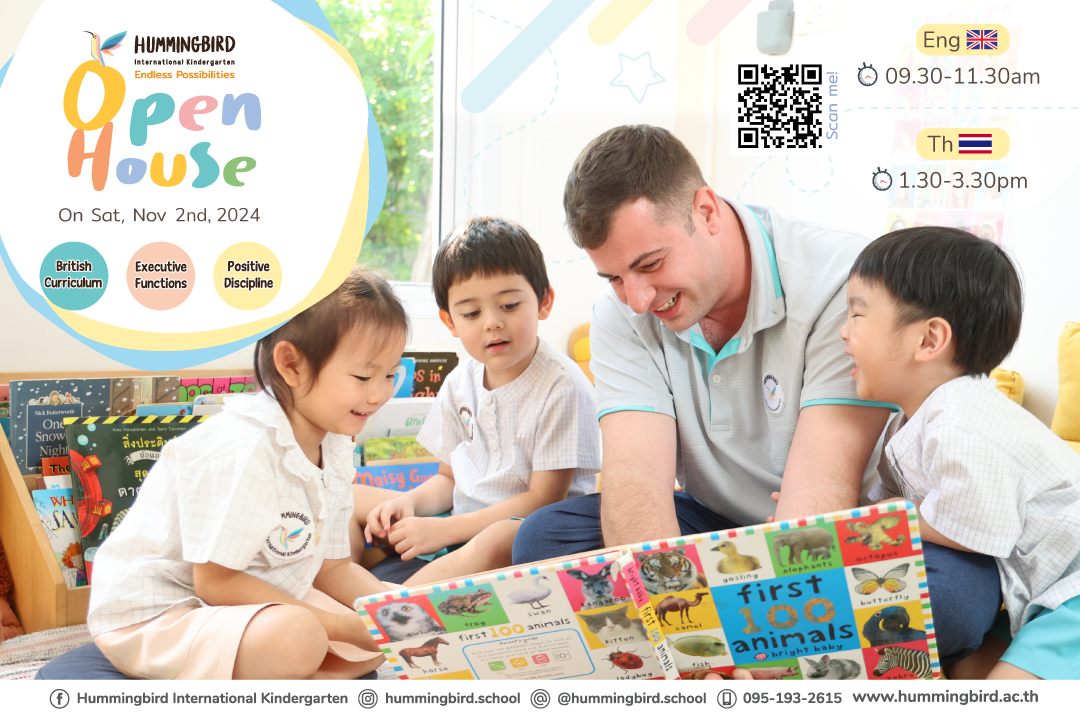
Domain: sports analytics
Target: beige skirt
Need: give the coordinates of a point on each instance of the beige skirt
(200, 643)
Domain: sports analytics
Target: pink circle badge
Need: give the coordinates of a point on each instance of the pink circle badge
(160, 276)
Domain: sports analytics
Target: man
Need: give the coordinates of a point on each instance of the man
(718, 362)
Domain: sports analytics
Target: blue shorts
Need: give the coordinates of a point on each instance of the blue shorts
(1048, 645)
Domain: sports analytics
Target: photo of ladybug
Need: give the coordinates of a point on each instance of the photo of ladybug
(626, 661)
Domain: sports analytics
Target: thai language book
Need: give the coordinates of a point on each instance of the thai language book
(39, 408)
(110, 458)
(837, 596)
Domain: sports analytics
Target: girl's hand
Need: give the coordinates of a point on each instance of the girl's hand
(386, 514)
(414, 536)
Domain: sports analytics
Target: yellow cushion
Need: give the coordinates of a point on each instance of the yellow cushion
(1011, 383)
(1066, 423)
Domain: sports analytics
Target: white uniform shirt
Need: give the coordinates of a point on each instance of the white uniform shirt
(736, 410)
(238, 491)
(994, 479)
(494, 440)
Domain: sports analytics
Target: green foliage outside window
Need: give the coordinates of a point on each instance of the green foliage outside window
(392, 44)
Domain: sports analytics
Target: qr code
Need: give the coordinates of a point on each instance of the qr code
(779, 107)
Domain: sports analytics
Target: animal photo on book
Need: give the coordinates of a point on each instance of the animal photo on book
(732, 562)
(816, 541)
(869, 581)
(614, 626)
(597, 589)
(873, 534)
(670, 571)
(679, 605)
(407, 619)
(429, 649)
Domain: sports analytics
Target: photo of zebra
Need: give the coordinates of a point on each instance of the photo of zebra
(914, 661)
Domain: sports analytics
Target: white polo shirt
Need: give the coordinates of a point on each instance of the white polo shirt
(994, 479)
(494, 440)
(736, 409)
(238, 491)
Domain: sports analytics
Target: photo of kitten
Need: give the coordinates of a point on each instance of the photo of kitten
(613, 627)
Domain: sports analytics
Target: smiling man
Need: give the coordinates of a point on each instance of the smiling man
(718, 362)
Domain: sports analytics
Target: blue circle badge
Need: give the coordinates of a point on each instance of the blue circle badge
(73, 276)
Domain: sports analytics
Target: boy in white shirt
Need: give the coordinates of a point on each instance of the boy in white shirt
(931, 311)
(514, 428)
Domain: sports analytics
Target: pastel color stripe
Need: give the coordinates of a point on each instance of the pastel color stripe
(711, 19)
(616, 16)
(523, 50)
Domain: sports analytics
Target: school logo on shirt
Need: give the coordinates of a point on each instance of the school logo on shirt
(292, 536)
(774, 394)
(467, 418)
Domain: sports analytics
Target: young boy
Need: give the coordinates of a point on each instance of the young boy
(514, 428)
(931, 311)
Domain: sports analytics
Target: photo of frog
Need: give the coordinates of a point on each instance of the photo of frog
(469, 607)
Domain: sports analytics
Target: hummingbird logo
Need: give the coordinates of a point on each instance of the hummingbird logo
(98, 48)
(286, 536)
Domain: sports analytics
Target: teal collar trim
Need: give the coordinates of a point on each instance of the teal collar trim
(772, 256)
(728, 350)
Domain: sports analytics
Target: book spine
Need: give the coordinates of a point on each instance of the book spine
(645, 609)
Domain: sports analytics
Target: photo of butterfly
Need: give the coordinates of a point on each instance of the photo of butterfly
(869, 582)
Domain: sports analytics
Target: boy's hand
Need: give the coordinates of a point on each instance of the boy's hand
(414, 536)
(351, 629)
(386, 514)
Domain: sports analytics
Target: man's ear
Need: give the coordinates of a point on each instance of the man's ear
(547, 303)
(707, 206)
(289, 363)
(445, 317)
(936, 339)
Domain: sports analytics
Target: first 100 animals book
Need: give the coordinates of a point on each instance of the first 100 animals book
(838, 596)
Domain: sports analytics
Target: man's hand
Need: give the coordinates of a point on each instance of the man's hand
(414, 536)
(386, 514)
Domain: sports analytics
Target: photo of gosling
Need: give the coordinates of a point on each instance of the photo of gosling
(733, 562)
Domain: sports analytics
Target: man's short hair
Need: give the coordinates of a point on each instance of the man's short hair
(487, 247)
(623, 165)
(952, 274)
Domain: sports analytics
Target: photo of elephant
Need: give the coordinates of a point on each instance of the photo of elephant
(818, 543)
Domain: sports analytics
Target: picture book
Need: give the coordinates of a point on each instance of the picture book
(191, 388)
(56, 472)
(837, 596)
(164, 409)
(402, 476)
(39, 408)
(110, 457)
(430, 369)
(395, 450)
(399, 416)
(56, 510)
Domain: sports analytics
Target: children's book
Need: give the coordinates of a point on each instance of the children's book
(110, 457)
(164, 409)
(191, 388)
(402, 476)
(39, 408)
(394, 451)
(833, 597)
(429, 371)
(56, 472)
(56, 510)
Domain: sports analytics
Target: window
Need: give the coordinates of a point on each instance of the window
(393, 44)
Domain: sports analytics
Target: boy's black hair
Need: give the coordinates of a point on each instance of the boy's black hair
(486, 247)
(950, 273)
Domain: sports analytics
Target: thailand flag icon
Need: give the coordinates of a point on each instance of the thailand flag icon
(976, 143)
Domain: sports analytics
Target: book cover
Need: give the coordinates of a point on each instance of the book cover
(403, 476)
(191, 388)
(430, 369)
(56, 510)
(37, 432)
(389, 450)
(531, 623)
(110, 457)
(837, 596)
(55, 473)
(164, 409)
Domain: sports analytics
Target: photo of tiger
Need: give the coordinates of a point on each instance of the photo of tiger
(669, 571)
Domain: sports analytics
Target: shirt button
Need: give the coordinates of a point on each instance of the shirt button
(492, 444)
(488, 400)
(716, 379)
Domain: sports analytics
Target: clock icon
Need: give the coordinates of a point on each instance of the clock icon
(867, 75)
(882, 180)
